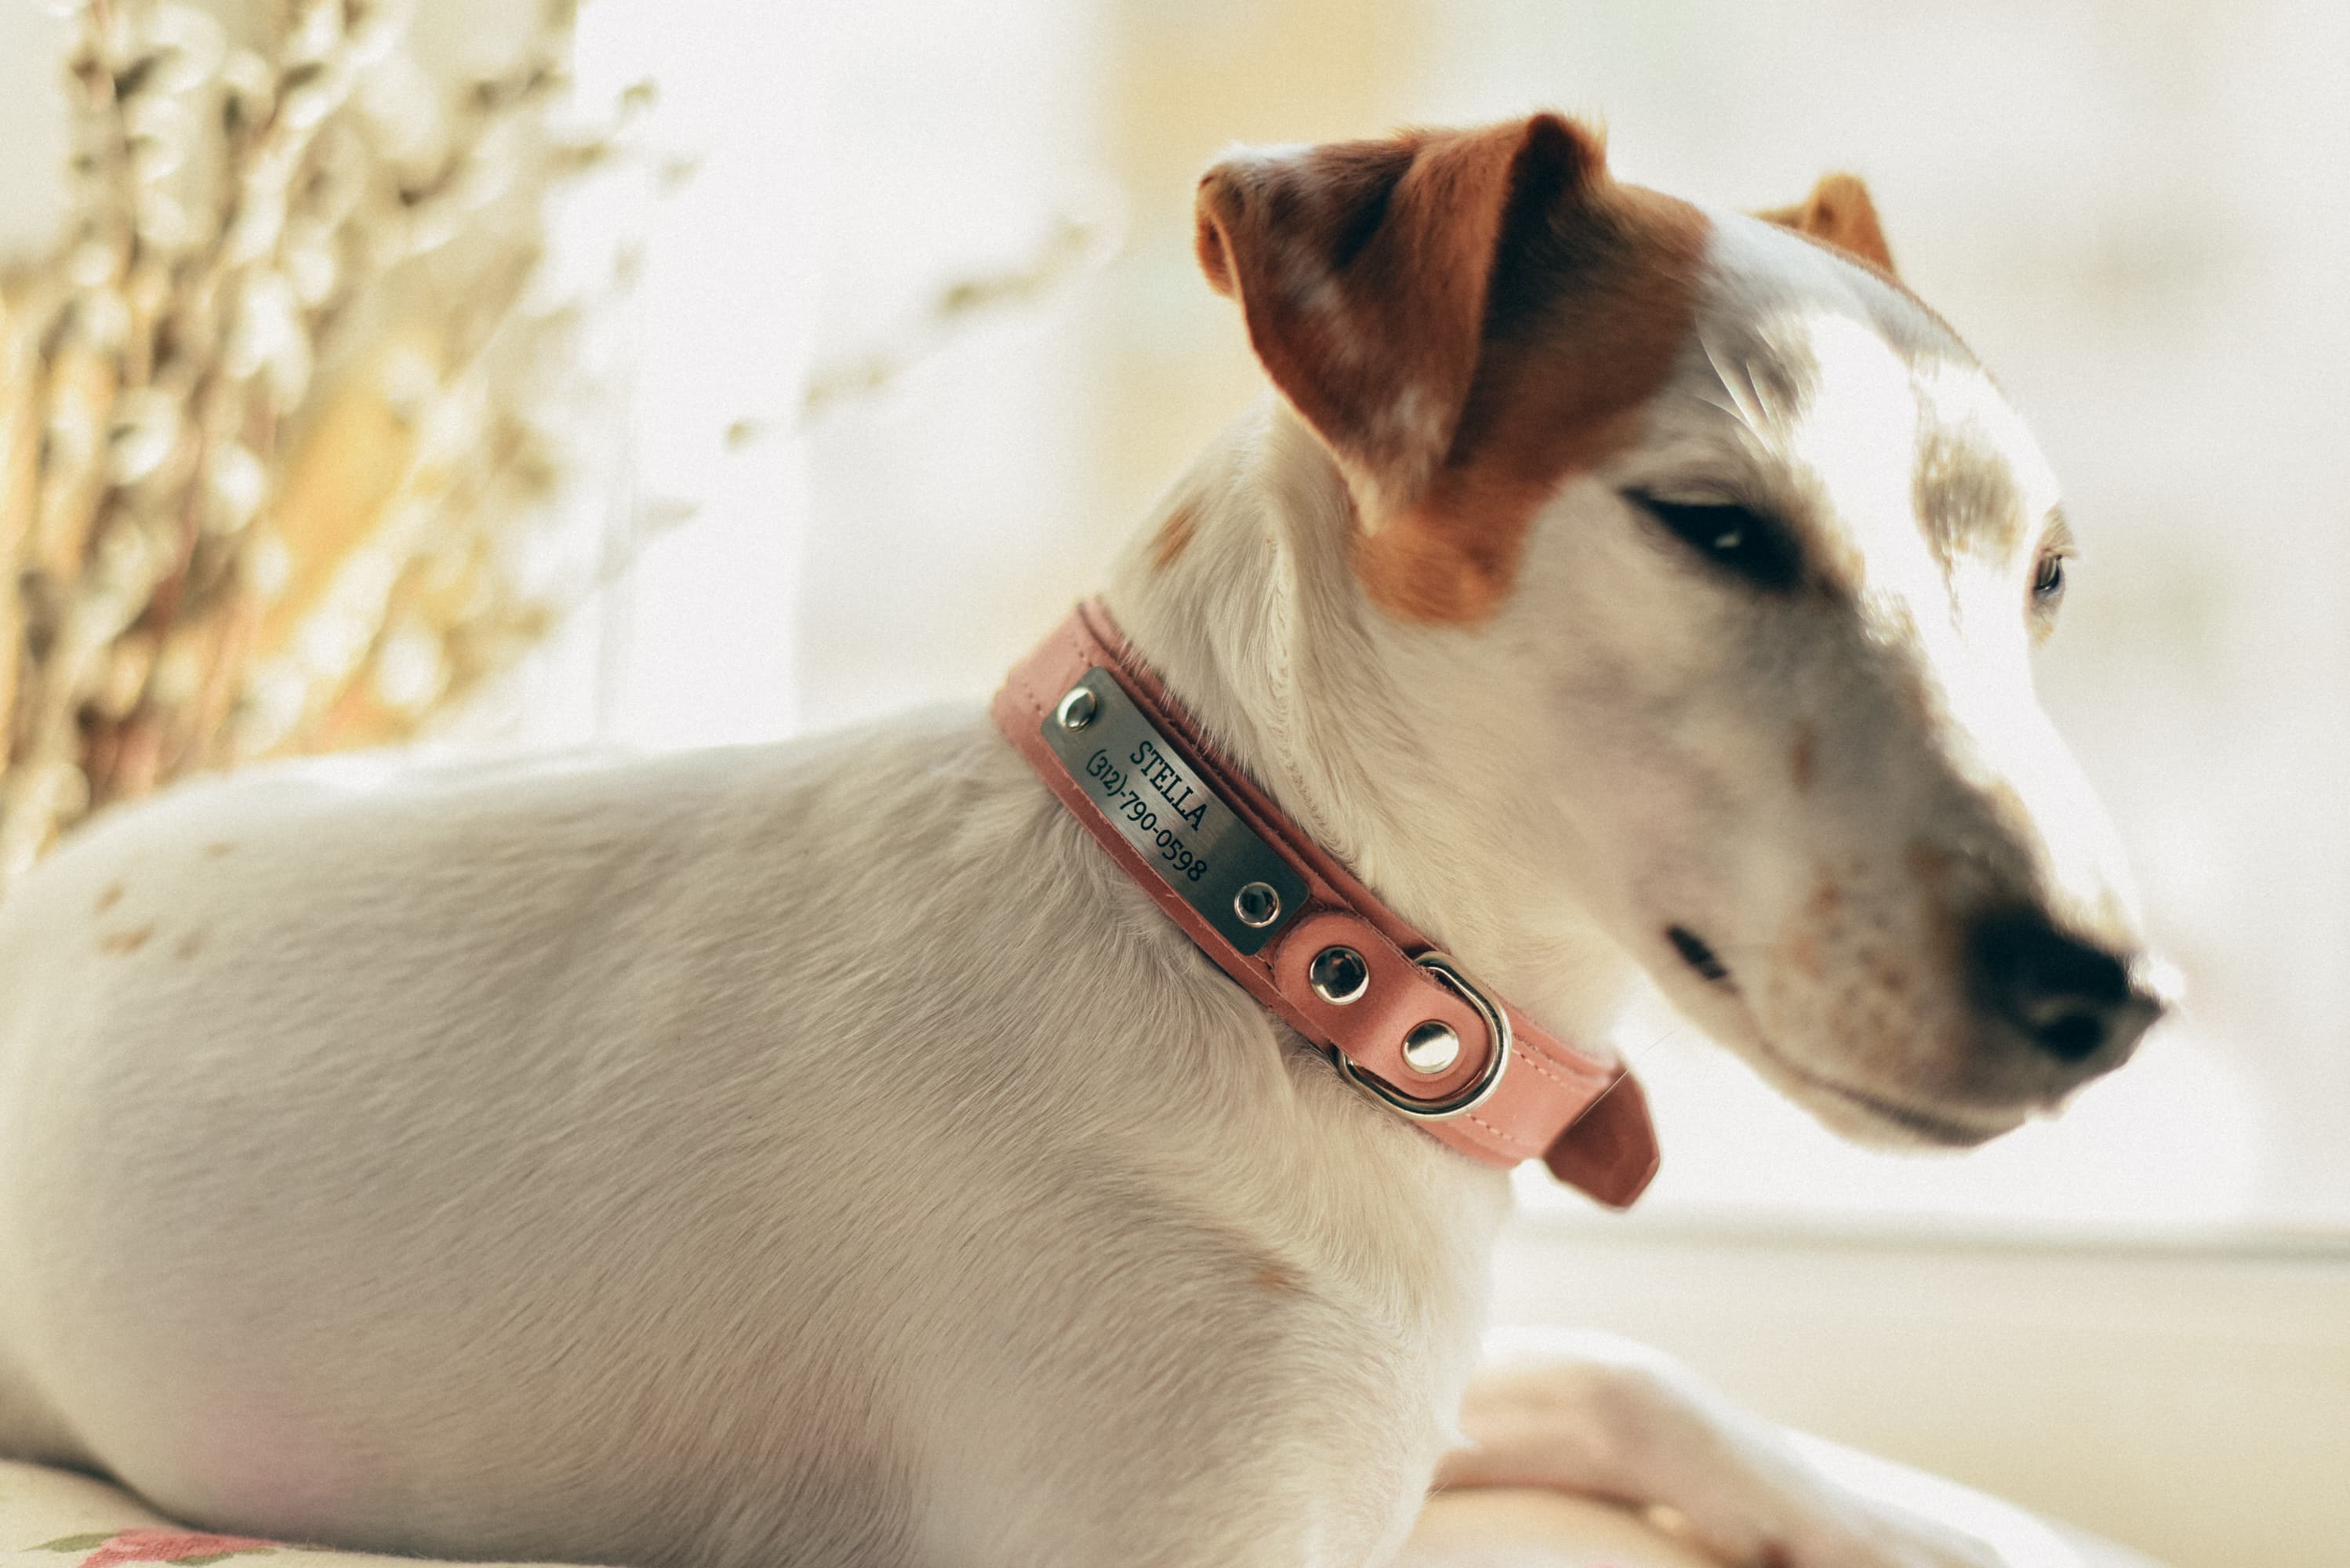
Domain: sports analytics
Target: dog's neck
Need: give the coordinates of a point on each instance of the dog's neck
(1243, 598)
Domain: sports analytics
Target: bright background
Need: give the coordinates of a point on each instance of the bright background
(2136, 213)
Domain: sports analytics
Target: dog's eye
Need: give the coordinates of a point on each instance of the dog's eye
(2048, 580)
(1736, 538)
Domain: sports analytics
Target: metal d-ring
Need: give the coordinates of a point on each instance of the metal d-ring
(1497, 1025)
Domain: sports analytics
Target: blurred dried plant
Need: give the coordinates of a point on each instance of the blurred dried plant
(1071, 246)
(278, 417)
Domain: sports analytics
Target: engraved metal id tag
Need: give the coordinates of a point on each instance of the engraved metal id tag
(1190, 837)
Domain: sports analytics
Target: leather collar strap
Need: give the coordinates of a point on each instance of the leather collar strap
(1300, 934)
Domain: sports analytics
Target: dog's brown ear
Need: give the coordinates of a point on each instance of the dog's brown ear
(1362, 268)
(1838, 212)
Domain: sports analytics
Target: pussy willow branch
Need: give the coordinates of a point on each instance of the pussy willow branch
(263, 258)
(246, 225)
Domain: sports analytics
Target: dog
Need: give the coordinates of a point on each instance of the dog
(826, 1154)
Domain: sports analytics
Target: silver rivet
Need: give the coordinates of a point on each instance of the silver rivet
(1431, 1048)
(1257, 904)
(1077, 709)
(1340, 975)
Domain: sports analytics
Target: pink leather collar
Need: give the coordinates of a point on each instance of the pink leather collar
(1300, 934)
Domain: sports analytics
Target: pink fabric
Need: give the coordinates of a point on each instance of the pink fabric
(1584, 1116)
(116, 1548)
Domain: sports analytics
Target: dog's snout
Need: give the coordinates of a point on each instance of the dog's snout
(2072, 999)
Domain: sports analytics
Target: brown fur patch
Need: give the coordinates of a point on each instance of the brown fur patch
(109, 895)
(1465, 318)
(1803, 758)
(1273, 1277)
(214, 851)
(1838, 213)
(1582, 338)
(129, 942)
(1173, 538)
(1967, 498)
(1361, 268)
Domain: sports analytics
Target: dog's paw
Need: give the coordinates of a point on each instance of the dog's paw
(1869, 1534)
(1861, 1512)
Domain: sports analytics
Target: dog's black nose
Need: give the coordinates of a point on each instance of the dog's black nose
(2069, 997)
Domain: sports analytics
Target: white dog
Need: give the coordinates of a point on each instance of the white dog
(826, 1154)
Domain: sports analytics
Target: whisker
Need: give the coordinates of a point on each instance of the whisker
(1763, 397)
(1714, 400)
(1743, 396)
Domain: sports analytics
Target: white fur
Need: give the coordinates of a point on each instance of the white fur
(822, 1155)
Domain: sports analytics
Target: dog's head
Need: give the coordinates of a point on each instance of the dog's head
(1720, 563)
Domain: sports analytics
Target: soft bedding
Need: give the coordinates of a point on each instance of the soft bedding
(57, 1519)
